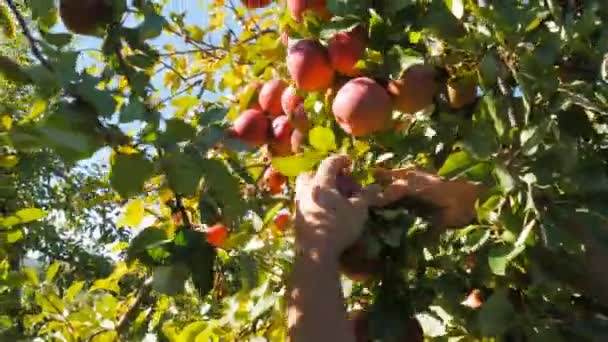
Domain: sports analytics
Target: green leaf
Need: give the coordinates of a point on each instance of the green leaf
(212, 115)
(148, 239)
(184, 104)
(14, 236)
(170, 280)
(505, 180)
(224, 187)
(177, 131)
(31, 276)
(51, 272)
(30, 214)
(500, 256)
(496, 314)
(73, 290)
(152, 26)
(293, 166)
(129, 173)
(322, 138)
(456, 163)
(184, 172)
(133, 214)
(58, 39)
(134, 110)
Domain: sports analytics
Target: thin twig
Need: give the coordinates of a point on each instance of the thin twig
(131, 312)
(26, 31)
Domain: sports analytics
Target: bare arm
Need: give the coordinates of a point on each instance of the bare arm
(326, 224)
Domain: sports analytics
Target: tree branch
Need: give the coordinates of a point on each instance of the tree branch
(26, 31)
(130, 314)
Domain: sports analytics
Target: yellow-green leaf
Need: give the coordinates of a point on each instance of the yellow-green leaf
(51, 272)
(322, 138)
(294, 165)
(133, 214)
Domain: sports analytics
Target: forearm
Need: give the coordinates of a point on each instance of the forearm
(316, 310)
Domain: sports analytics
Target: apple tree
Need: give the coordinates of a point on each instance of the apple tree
(207, 121)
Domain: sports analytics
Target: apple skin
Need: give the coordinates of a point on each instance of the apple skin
(270, 97)
(273, 181)
(415, 90)
(362, 107)
(309, 66)
(280, 142)
(251, 4)
(251, 127)
(346, 49)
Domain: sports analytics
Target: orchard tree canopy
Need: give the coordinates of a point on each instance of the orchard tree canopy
(149, 151)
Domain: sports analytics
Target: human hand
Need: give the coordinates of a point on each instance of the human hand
(454, 200)
(326, 221)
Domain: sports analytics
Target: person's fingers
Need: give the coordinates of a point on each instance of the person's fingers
(326, 198)
(387, 175)
(303, 182)
(329, 170)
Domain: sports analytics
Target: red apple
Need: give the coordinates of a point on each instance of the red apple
(273, 180)
(346, 49)
(280, 143)
(251, 127)
(270, 97)
(309, 66)
(217, 235)
(362, 107)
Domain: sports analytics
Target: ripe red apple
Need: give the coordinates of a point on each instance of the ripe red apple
(251, 127)
(299, 119)
(346, 49)
(362, 107)
(281, 220)
(298, 140)
(273, 180)
(290, 100)
(270, 97)
(309, 66)
(280, 143)
(415, 90)
(461, 93)
(85, 16)
(217, 235)
(298, 7)
(256, 3)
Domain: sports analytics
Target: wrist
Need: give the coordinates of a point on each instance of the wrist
(317, 253)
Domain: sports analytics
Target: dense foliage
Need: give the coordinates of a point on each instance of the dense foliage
(184, 232)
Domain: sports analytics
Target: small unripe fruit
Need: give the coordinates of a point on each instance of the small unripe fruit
(270, 97)
(280, 143)
(290, 100)
(415, 90)
(85, 16)
(298, 7)
(461, 93)
(362, 107)
(273, 181)
(217, 235)
(251, 127)
(309, 66)
(256, 3)
(346, 49)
